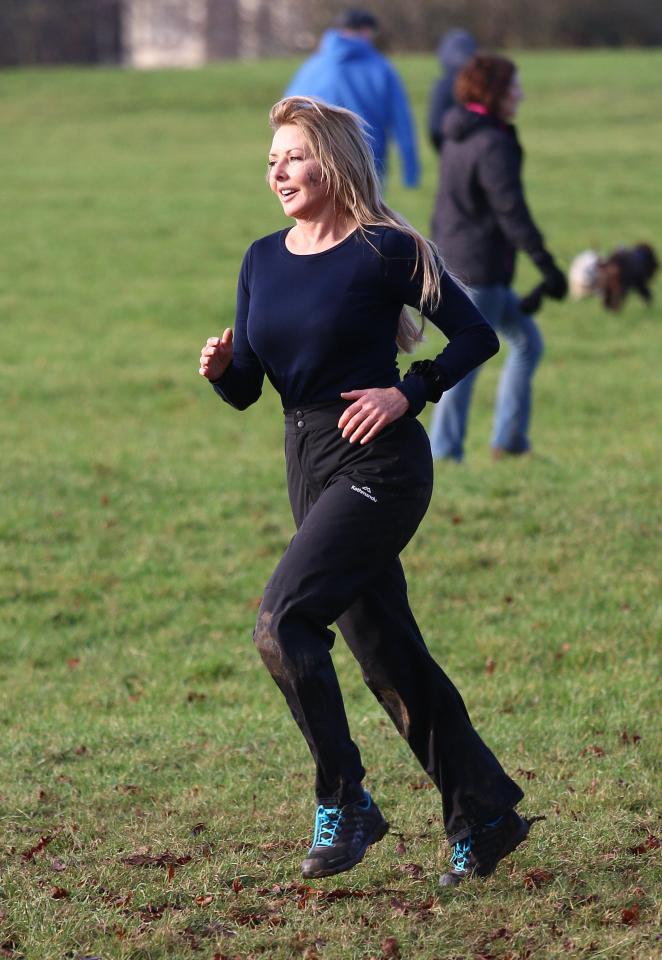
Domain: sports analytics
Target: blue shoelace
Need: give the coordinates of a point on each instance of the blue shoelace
(327, 821)
(460, 854)
(462, 849)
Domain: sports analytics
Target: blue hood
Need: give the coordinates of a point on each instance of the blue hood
(349, 72)
(336, 46)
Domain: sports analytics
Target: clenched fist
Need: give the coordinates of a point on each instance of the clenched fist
(215, 356)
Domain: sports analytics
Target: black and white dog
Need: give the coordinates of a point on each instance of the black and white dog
(613, 277)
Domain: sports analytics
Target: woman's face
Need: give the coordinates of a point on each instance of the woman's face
(513, 98)
(294, 176)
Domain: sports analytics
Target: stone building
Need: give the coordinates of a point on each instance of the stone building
(159, 33)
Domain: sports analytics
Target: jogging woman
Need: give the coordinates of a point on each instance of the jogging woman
(320, 311)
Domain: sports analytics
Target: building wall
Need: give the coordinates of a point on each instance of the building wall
(164, 33)
(187, 33)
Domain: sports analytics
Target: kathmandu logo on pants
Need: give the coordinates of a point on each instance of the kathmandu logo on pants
(365, 492)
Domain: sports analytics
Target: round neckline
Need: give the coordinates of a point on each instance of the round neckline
(310, 256)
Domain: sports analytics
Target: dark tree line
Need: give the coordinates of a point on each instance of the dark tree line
(90, 31)
(416, 24)
(59, 31)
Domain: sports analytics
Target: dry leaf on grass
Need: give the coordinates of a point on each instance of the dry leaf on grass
(537, 877)
(650, 843)
(59, 893)
(142, 858)
(630, 915)
(390, 949)
(41, 844)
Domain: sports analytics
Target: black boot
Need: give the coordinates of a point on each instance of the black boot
(480, 852)
(342, 836)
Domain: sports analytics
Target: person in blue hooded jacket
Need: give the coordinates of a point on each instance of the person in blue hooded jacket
(347, 71)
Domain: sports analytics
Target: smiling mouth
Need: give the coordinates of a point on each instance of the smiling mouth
(287, 194)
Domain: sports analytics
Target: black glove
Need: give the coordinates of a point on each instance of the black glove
(555, 284)
(530, 303)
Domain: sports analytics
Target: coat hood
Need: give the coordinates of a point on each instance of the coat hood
(460, 123)
(340, 48)
(455, 48)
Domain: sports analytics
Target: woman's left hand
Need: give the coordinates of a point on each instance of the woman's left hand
(371, 411)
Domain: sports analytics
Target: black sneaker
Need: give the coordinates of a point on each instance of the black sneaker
(342, 836)
(480, 852)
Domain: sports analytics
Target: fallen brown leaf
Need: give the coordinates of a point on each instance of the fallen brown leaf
(630, 915)
(421, 785)
(528, 774)
(632, 738)
(650, 843)
(129, 788)
(401, 907)
(537, 877)
(340, 893)
(10, 948)
(204, 900)
(141, 858)
(390, 948)
(41, 844)
(595, 749)
(59, 893)
(193, 696)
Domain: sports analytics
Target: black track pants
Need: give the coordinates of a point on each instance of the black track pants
(356, 507)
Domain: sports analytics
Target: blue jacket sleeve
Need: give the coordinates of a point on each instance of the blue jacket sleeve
(241, 384)
(471, 339)
(404, 131)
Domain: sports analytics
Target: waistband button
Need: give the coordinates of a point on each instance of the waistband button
(299, 413)
(300, 423)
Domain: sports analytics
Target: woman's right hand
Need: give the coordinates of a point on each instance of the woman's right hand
(215, 356)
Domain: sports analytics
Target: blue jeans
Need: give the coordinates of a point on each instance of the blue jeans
(500, 307)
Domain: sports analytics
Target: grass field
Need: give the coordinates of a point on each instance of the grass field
(155, 796)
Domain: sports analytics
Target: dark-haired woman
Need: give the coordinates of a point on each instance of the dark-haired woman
(480, 221)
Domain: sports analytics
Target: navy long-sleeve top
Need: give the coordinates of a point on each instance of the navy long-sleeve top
(324, 323)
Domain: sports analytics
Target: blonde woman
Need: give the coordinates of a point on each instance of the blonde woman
(321, 311)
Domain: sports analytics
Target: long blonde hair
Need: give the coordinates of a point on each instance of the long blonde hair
(338, 141)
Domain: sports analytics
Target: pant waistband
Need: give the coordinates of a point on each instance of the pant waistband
(315, 417)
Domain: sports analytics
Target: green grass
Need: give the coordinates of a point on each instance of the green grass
(141, 517)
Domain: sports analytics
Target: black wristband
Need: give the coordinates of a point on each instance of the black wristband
(433, 376)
